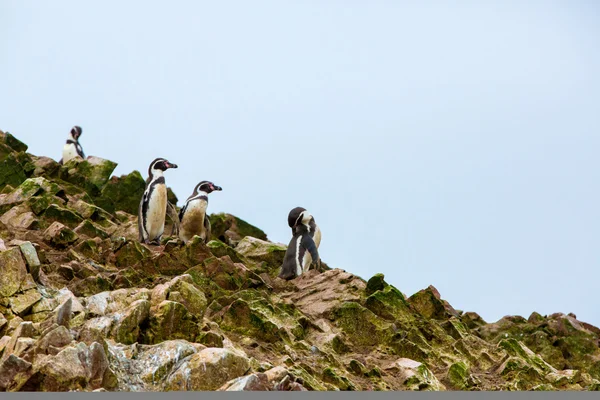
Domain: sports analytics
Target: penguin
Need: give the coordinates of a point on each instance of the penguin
(72, 148)
(303, 248)
(153, 205)
(193, 219)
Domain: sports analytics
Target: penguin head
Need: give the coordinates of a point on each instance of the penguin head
(206, 187)
(298, 215)
(76, 132)
(160, 164)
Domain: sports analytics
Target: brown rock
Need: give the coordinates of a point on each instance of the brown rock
(253, 382)
(208, 370)
(10, 368)
(12, 271)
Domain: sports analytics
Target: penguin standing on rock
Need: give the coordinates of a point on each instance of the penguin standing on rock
(193, 217)
(72, 148)
(153, 206)
(303, 248)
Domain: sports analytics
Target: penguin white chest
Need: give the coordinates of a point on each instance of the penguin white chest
(69, 152)
(157, 210)
(192, 222)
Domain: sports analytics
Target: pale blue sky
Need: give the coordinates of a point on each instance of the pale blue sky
(453, 145)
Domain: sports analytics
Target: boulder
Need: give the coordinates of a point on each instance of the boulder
(155, 363)
(171, 320)
(252, 382)
(127, 324)
(122, 193)
(12, 271)
(261, 250)
(59, 235)
(231, 229)
(91, 174)
(428, 303)
(209, 369)
(414, 375)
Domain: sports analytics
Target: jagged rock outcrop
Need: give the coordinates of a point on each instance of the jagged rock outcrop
(84, 306)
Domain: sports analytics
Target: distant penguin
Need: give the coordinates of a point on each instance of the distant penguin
(153, 206)
(193, 217)
(303, 248)
(72, 148)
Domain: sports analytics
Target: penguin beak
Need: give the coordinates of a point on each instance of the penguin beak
(214, 187)
(170, 165)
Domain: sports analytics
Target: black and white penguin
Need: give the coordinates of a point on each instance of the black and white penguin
(153, 206)
(303, 248)
(193, 219)
(72, 148)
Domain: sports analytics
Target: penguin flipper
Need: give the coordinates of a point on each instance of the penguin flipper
(172, 212)
(309, 244)
(143, 208)
(182, 211)
(207, 228)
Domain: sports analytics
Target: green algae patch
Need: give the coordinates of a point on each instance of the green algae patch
(360, 324)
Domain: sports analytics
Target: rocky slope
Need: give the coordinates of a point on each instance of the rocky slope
(84, 306)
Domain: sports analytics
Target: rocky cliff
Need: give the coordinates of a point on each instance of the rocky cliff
(84, 306)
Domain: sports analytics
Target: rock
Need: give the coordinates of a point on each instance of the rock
(388, 303)
(231, 229)
(535, 318)
(91, 174)
(472, 320)
(73, 368)
(90, 285)
(458, 375)
(517, 349)
(276, 374)
(63, 313)
(253, 382)
(127, 327)
(208, 370)
(62, 215)
(429, 304)
(31, 257)
(181, 289)
(55, 339)
(91, 230)
(12, 271)
(338, 380)
(59, 235)
(360, 325)
(376, 283)
(229, 275)
(17, 344)
(254, 316)
(15, 144)
(261, 250)
(20, 218)
(22, 303)
(109, 302)
(10, 369)
(28, 189)
(415, 375)
(156, 362)
(123, 193)
(14, 167)
(171, 320)
(3, 322)
(45, 166)
(288, 385)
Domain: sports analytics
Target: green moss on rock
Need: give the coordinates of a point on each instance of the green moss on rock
(122, 193)
(360, 325)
